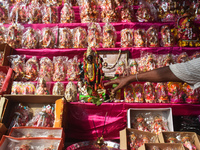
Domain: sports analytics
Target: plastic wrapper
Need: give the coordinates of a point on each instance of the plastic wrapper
(59, 68)
(65, 38)
(167, 36)
(139, 93)
(140, 38)
(109, 12)
(67, 14)
(192, 95)
(2, 79)
(50, 14)
(162, 93)
(17, 88)
(30, 39)
(58, 89)
(129, 94)
(151, 62)
(14, 35)
(2, 34)
(18, 64)
(80, 38)
(140, 123)
(89, 11)
(34, 13)
(121, 69)
(188, 142)
(149, 93)
(195, 55)
(82, 90)
(46, 68)
(48, 39)
(142, 64)
(71, 92)
(167, 11)
(168, 60)
(41, 88)
(32, 69)
(159, 124)
(72, 69)
(175, 92)
(94, 35)
(4, 9)
(109, 36)
(133, 66)
(43, 118)
(19, 13)
(28, 88)
(145, 13)
(127, 37)
(152, 37)
(126, 15)
(183, 57)
(22, 114)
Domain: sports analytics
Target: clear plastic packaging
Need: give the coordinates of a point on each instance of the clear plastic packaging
(17, 88)
(79, 38)
(109, 36)
(168, 60)
(159, 124)
(71, 92)
(126, 14)
(30, 39)
(49, 37)
(67, 14)
(32, 69)
(175, 92)
(139, 93)
(2, 79)
(41, 88)
(167, 36)
(58, 89)
(127, 37)
(50, 14)
(72, 69)
(192, 95)
(161, 93)
(151, 62)
(34, 13)
(133, 66)
(140, 123)
(4, 9)
(109, 12)
(59, 68)
(94, 35)
(2, 34)
(46, 68)
(188, 142)
(89, 11)
(14, 35)
(82, 90)
(183, 57)
(43, 118)
(18, 64)
(149, 93)
(152, 37)
(140, 38)
(65, 38)
(121, 69)
(22, 114)
(129, 94)
(19, 13)
(28, 88)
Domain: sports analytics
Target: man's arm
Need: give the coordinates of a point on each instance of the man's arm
(158, 75)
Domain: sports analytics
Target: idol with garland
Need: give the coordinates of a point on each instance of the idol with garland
(93, 74)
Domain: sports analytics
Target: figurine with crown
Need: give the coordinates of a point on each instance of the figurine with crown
(93, 76)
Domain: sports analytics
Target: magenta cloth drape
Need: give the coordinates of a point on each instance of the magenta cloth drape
(82, 115)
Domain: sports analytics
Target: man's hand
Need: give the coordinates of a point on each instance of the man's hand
(121, 81)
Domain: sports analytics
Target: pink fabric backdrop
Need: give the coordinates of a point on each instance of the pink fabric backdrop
(82, 115)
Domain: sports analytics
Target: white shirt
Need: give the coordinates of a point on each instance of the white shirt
(188, 72)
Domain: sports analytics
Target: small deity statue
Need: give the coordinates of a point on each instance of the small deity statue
(162, 95)
(151, 63)
(149, 93)
(167, 36)
(168, 60)
(140, 123)
(144, 139)
(92, 66)
(133, 141)
(183, 57)
(139, 93)
(126, 15)
(186, 140)
(187, 33)
(192, 96)
(32, 69)
(134, 67)
(42, 87)
(174, 90)
(58, 89)
(171, 139)
(82, 88)
(71, 92)
(129, 94)
(94, 35)
(120, 70)
(152, 37)
(143, 14)
(140, 38)
(126, 38)
(158, 125)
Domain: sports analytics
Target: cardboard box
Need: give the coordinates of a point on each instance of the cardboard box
(7, 85)
(35, 102)
(5, 51)
(162, 137)
(34, 143)
(149, 146)
(165, 112)
(124, 137)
